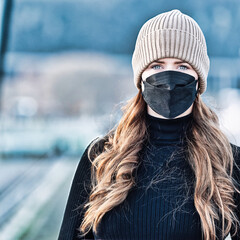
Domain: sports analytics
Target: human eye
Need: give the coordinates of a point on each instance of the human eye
(156, 66)
(183, 67)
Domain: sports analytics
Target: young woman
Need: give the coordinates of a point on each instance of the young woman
(165, 171)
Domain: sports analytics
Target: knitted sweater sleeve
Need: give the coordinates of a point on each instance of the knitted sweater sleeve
(79, 193)
(236, 176)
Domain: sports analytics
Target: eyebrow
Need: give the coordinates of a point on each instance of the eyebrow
(157, 61)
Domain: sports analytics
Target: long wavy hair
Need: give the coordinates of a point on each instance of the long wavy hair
(210, 156)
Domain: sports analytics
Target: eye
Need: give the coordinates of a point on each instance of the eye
(155, 66)
(183, 67)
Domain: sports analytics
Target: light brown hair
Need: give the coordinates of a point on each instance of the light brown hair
(209, 154)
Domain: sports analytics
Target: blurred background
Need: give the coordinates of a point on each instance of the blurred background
(65, 72)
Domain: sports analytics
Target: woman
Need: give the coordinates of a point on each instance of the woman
(166, 171)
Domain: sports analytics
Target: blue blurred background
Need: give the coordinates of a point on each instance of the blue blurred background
(65, 72)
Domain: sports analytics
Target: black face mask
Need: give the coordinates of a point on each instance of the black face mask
(170, 93)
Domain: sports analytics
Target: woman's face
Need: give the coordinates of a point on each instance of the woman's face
(165, 64)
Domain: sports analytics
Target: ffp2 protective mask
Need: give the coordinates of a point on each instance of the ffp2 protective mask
(170, 93)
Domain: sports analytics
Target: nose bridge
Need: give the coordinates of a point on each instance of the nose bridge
(169, 66)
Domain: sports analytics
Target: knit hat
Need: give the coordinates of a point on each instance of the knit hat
(175, 35)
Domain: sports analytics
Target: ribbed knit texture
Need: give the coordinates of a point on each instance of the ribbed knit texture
(171, 34)
(161, 205)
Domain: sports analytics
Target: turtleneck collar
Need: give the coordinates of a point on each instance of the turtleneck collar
(169, 130)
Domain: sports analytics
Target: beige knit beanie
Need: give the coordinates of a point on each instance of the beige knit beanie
(171, 34)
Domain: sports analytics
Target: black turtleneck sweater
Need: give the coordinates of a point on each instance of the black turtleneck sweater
(161, 205)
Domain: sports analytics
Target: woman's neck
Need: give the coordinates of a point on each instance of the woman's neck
(160, 129)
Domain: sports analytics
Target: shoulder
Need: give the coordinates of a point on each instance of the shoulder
(96, 146)
(83, 170)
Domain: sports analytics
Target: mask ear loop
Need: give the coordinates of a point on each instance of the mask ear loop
(142, 85)
(196, 94)
(198, 90)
